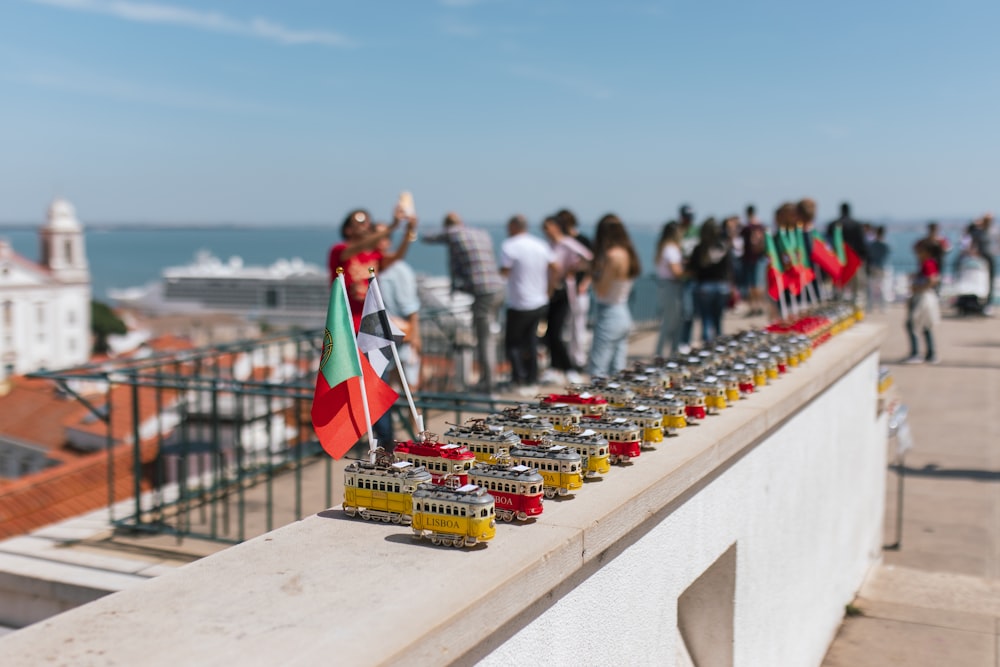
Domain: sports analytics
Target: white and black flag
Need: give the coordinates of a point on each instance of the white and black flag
(377, 333)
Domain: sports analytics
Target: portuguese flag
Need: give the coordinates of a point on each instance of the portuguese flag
(849, 260)
(823, 257)
(774, 281)
(346, 386)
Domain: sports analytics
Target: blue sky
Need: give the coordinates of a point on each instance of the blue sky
(297, 111)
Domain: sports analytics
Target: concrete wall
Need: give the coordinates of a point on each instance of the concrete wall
(738, 542)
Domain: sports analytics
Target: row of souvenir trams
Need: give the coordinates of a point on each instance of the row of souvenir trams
(500, 467)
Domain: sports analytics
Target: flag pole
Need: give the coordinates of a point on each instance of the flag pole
(417, 417)
(372, 443)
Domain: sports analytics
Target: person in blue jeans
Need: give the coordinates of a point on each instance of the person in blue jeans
(711, 269)
(616, 266)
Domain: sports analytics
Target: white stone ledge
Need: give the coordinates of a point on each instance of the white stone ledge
(334, 590)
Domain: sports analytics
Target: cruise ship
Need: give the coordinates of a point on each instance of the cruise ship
(288, 292)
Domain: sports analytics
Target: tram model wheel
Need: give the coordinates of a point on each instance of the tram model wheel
(457, 542)
(397, 518)
(350, 511)
(366, 515)
(522, 516)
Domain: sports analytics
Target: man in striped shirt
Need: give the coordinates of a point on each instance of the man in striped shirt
(474, 271)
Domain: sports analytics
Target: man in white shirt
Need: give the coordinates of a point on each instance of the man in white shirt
(529, 265)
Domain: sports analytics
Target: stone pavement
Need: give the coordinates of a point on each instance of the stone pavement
(935, 600)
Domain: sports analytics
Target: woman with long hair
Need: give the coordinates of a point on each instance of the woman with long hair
(712, 271)
(670, 278)
(616, 266)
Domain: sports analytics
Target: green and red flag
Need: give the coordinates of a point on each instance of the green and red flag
(792, 275)
(849, 260)
(823, 257)
(808, 275)
(346, 385)
(774, 270)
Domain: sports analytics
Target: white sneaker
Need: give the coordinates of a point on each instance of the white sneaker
(527, 391)
(572, 377)
(552, 376)
(913, 360)
(684, 349)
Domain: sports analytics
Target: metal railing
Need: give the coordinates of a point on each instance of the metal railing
(221, 440)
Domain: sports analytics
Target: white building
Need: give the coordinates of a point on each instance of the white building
(45, 306)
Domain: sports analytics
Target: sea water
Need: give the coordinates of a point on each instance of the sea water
(133, 256)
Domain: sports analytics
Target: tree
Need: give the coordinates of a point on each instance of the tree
(103, 323)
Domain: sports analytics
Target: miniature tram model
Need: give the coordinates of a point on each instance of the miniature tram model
(562, 416)
(516, 489)
(715, 394)
(694, 402)
(381, 491)
(485, 441)
(443, 461)
(616, 394)
(672, 409)
(624, 437)
(647, 418)
(528, 427)
(589, 404)
(560, 467)
(593, 448)
(460, 517)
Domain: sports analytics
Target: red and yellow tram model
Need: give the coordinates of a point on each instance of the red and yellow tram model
(442, 460)
(460, 517)
(528, 427)
(590, 405)
(715, 394)
(382, 490)
(672, 409)
(562, 416)
(649, 419)
(484, 440)
(744, 378)
(624, 437)
(516, 489)
(594, 449)
(694, 402)
(560, 466)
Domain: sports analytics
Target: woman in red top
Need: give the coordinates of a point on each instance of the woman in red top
(923, 311)
(359, 252)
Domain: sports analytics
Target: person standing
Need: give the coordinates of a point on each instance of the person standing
(923, 310)
(571, 256)
(398, 286)
(529, 265)
(358, 252)
(616, 266)
(689, 239)
(754, 265)
(578, 291)
(878, 256)
(982, 240)
(670, 279)
(473, 268)
(711, 270)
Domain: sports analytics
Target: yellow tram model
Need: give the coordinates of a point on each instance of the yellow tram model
(562, 416)
(593, 448)
(560, 466)
(382, 490)
(672, 409)
(528, 427)
(649, 419)
(484, 440)
(715, 394)
(460, 517)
